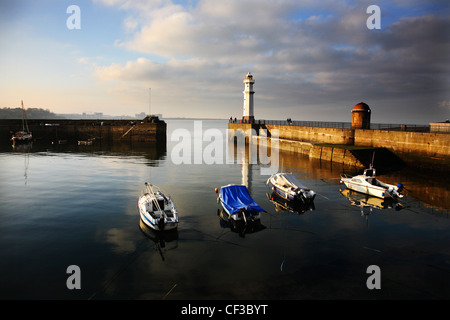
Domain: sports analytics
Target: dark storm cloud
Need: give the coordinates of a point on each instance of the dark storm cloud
(325, 57)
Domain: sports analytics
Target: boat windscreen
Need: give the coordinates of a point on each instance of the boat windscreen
(290, 180)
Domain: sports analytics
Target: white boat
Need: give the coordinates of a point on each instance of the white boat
(288, 187)
(367, 183)
(238, 204)
(157, 210)
(23, 136)
(86, 142)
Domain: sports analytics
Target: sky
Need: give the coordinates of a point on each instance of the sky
(311, 60)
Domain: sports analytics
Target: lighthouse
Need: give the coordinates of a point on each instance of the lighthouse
(248, 98)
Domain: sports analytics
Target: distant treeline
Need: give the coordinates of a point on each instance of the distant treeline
(30, 113)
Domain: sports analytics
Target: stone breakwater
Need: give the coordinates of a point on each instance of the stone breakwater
(355, 146)
(107, 130)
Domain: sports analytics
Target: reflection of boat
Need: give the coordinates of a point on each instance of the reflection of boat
(23, 136)
(239, 226)
(281, 204)
(367, 183)
(157, 210)
(161, 239)
(288, 187)
(238, 203)
(364, 200)
(22, 147)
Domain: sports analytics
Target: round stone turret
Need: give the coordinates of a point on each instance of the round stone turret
(361, 116)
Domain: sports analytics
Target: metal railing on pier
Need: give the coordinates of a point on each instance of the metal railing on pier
(348, 125)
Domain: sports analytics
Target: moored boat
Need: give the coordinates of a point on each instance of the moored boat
(22, 137)
(25, 135)
(238, 204)
(287, 186)
(367, 183)
(156, 209)
(88, 142)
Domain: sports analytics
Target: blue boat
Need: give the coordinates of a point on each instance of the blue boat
(238, 203)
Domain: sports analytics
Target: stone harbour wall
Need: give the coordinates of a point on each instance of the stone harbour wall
(354, 146)
(109, 130)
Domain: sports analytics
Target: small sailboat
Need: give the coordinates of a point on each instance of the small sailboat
(23, 136)
(288, 187)
(367, 183)
(156, 209)
(238, 204)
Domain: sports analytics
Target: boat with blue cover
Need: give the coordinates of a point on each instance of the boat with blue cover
(238, 204)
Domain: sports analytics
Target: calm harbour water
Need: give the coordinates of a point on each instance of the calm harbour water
(63, 205)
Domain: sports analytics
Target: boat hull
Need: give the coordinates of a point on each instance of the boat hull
(155, 224)
(243, 215)
(291, 191)
(22, 138)
(371, 190)
(291, 196)
(285, 195)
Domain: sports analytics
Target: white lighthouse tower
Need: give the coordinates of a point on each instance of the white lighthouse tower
(248, 98)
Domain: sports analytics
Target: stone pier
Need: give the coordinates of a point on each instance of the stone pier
(354, 147)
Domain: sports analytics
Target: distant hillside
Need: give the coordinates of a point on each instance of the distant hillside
(30, 113)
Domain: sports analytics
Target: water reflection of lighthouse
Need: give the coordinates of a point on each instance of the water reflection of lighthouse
(246, 170)
(240, 152)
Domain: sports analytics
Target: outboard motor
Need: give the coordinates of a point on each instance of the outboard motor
(391, 190)
(400, 187)
(161, 223)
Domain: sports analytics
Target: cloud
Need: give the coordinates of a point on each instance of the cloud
(301, 53)
(139, 70)
(444, 104)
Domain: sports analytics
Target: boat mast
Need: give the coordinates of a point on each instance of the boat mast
(373, 159)
(150, 102)
(24, 120)
(152, 194)
(23, 117)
